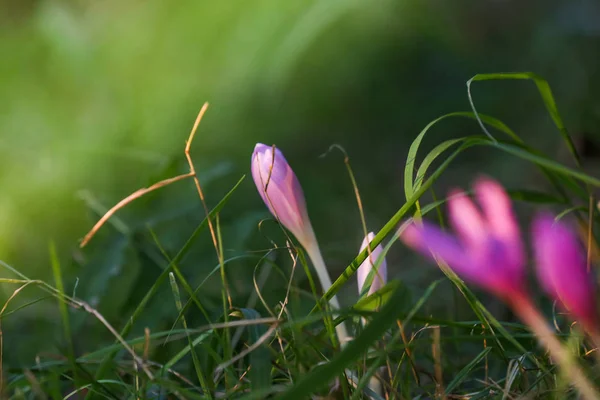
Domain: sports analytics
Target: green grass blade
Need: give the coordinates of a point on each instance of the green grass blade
(393, 222)
(548, 163)
(201, 378)
(412, 152)
(379, 298)
(320, 376)
(547, 97)
(513, 149)
(464, 373)
(64, 311)
(103, 368)
(183, 352)
(260, 358)
(431, 157)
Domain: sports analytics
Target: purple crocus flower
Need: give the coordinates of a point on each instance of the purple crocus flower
(380, 276)
(486, 248)
(562, 270)
(280, 190)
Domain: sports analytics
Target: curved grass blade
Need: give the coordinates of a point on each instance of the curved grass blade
(393, 222)
(469, 142)
(430, 158)
(412, 152)
(547, 97)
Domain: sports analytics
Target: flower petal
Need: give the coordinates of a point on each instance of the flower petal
(431, 241)
(497, 208)
(501, 220)
(562, 269)
(466, 219)
(365, 268)
(280, 189)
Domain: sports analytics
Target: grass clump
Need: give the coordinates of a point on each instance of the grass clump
(283, 339)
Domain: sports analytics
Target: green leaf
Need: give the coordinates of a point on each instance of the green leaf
(378, 299)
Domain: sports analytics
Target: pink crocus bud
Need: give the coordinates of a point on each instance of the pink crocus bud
(280, 190)
(380, 275)
(562, 270)
(486, 248)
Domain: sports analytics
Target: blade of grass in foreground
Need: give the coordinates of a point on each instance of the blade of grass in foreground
(64, 311)
(103, 368)
(200, 375)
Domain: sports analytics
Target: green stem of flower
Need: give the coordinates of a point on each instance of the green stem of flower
(530, 315)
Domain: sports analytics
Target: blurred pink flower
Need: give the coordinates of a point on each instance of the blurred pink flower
(562, 270)
(486, 249)
(281, 191)
(380, 276)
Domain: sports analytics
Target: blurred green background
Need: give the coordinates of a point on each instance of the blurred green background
(97, 100)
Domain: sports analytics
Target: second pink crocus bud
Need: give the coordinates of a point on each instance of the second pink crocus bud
(281, 191)
(379, 275)
(562, 270)
(486, 249)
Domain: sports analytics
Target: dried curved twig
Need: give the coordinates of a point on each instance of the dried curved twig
(140, 192)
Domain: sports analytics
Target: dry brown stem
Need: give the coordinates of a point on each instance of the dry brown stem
(141, 192)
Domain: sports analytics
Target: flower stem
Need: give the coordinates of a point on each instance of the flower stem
(530, 315)
(317, 259)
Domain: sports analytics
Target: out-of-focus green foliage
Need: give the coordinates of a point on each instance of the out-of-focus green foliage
(97, 100)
